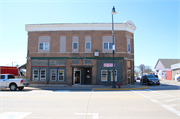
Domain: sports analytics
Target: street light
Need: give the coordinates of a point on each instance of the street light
(113, 12)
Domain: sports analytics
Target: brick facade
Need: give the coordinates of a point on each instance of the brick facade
(121, 54)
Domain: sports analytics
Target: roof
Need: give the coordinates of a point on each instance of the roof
(22, 66)
(168, 62)
(127, 26)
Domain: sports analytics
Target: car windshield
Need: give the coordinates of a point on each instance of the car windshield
(151, 76)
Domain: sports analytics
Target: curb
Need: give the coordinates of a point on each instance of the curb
(120, 88)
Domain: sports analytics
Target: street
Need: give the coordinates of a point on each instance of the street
(153, 103)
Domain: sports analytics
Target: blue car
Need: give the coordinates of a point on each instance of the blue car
(178, 79)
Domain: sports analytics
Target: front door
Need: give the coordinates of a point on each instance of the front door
(77, 76)
(88, 76)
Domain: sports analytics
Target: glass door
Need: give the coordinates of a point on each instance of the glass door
(77, 76)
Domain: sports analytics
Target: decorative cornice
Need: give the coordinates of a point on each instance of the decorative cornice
(81, 27)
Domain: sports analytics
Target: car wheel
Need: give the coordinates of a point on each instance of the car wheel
(21, 88)
(147, 83)
(13, 87)
(158, 84)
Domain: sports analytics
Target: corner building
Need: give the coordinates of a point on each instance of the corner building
(80, 54)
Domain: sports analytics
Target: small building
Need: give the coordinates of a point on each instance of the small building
(163, 66)
(80, 53)
(175, 70)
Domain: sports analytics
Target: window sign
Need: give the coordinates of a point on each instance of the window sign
(129, 64)
(108, 64)
(104, 75)
(53, 74)
(35, 75)
(61, 75)
(96, 53)
(115, 74)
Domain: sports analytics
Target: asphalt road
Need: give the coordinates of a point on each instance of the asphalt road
(153, 103)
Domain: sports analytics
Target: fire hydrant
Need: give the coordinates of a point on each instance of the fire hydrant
(119, 84)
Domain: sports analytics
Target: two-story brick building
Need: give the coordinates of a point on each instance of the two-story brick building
(80, 54)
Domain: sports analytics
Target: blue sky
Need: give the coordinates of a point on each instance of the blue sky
(157, 21)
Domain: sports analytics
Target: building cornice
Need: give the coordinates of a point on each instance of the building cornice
(126, 26)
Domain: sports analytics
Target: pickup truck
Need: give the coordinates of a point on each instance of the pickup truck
(9, 81)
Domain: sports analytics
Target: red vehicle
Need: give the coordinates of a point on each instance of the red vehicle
(137, 78)
(9, 70)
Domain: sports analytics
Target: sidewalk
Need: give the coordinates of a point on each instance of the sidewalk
(85, 87)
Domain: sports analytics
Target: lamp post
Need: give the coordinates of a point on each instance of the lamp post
(113, 12)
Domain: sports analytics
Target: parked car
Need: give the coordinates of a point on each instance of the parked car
(137, 78)
(149, 79)
(9, 81)
(178, 79)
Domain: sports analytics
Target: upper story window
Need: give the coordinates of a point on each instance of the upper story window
(88, 45)
(107, 45)
(44, 44)
(128, 45)
(75, 45)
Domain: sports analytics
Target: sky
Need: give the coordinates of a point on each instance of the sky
(157, 21)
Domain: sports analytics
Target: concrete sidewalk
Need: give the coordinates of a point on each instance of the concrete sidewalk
(85, 87)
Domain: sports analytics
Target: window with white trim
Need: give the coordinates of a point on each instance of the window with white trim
(75, 45)
(104, 75)
(88, 45)
(128, 45)
(42, 74)
(35, 74)
(53, 74)
(60, 75)
(107, 45)
(115, 73)
(44, 46)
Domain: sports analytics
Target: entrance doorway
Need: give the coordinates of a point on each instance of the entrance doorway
(128, 76)
(77, 76)
(82, 76)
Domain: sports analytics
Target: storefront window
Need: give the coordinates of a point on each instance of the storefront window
(104, 75)
(43, 75)
(53, 74)
(35, 75)
(61, 75)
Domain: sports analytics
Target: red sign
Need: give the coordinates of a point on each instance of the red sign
(108, 64)
(96, 53)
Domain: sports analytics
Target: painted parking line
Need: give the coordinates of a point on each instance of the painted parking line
(168, 107)
(14, 115)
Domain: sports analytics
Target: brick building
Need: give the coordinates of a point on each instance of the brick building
(70, 54)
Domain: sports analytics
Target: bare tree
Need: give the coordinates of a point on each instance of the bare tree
(136, 70)
(147, 70)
